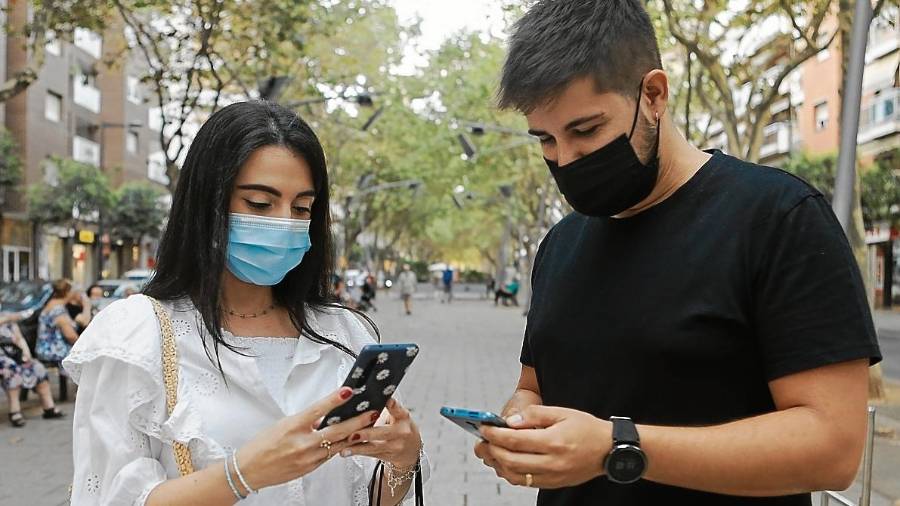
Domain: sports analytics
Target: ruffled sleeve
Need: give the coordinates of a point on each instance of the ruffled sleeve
(117, 365)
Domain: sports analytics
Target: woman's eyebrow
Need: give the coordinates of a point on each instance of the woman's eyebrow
(273, 191)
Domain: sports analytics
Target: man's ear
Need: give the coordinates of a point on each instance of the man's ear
(656, 92)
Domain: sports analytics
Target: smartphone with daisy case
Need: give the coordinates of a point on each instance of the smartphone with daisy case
(374, 377)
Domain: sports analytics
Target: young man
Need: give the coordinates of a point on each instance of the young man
(699, 332)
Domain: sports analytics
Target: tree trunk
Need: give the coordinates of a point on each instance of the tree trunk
(172, 172)
(857, 232)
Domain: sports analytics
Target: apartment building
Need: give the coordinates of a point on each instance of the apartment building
(84, 109)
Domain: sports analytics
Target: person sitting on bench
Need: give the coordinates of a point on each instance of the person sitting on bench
(508, 293)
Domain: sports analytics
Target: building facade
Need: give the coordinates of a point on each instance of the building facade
(84, 109)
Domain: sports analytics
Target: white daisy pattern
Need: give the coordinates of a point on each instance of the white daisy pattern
(357, 391)
(357, 373)
(334, 420)
(382, 374)
(412, 351)
(390, 389)
(362, 406)
(382, 357)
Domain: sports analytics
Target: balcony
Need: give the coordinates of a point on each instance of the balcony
(880, 116)
(89, 42)
(85, 151)
(776, 139)
(86, 95)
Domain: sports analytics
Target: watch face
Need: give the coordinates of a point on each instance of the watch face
(626, 464)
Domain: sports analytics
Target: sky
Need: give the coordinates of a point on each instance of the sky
(442, 18)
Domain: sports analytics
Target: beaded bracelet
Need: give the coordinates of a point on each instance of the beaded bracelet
(396, 479)
(234, 489)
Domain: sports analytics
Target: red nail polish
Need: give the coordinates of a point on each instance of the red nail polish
(346, 393)
(374, 417)
(355, 437)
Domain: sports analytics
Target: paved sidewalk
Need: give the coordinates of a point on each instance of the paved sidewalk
(469, 358)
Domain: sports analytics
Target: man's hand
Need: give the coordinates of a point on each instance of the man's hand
(559, 447)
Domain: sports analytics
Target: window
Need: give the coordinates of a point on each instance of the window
(821, 112)
(52, 46)
(16, 264)
(134, 90)
(132, 142)
(156, 167)
(89, 41)
(825, 53)
(53, 107)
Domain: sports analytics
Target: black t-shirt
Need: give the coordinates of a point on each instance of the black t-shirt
(682, 314)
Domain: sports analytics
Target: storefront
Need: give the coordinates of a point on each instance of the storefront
(884, 253)
(16, 255)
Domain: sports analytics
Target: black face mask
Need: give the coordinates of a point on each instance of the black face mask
(609, 180)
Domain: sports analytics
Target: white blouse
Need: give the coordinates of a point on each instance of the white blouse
(122, 437)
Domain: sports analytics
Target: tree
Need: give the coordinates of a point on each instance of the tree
(137, 211)
(55, 19)
(78, 194)
(202, 54)
(10, 170)
(879, 183)
(738, 83)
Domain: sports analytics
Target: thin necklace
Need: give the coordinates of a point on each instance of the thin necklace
(250, 315)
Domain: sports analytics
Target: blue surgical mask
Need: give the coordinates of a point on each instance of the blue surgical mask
(263, 250)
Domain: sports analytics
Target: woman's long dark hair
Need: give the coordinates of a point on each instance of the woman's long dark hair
(193, 249)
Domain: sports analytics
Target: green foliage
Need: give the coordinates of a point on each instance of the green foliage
(80, 193)
(10, 163)
(817, 170)
(879, 183)
(137, 211)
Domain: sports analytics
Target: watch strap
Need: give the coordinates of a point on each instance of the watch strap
(624, 431)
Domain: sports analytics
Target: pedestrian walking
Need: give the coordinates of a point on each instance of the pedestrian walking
(447, 283)
(407, 282)
(243, 286)
(699, 331)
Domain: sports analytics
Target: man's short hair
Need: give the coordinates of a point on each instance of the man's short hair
(558, 41)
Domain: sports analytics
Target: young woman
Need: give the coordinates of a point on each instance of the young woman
(244, 269)
(57, 331)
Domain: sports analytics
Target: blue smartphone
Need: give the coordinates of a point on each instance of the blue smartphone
(471, 420)
(374, 377)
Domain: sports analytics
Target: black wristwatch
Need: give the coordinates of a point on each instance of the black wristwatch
(626, 462)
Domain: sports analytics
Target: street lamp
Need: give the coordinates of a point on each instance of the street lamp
(470, 152)
(362, 99)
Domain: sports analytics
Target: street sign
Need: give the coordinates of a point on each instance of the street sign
(86, 236)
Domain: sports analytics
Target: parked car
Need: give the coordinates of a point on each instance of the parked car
(110, 289)
(141, 275)
(26, 298)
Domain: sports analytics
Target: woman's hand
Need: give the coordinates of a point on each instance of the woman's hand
(395, 439)
(293, 447)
